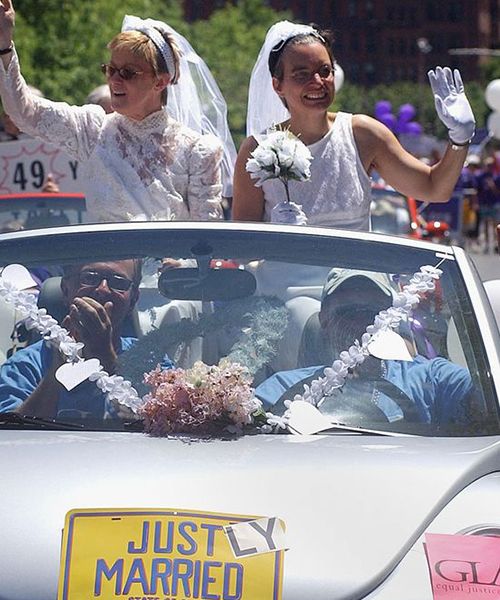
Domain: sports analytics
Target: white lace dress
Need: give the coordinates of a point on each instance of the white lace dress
(154, 169)
(339, 191)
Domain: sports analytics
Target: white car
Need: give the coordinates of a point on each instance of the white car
(378, 480)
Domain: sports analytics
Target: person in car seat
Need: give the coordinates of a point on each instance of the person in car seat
(421, 390)
(99, 297)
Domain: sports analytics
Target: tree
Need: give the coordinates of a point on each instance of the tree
(229, 41)
(61, 43)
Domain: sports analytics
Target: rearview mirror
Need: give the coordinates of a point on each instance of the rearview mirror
(214, 284)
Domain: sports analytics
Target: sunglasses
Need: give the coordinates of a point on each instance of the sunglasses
(123, 73)
(303, 76)
(115, 282)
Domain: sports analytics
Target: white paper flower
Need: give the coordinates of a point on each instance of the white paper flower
(71, 349)
(277, 422)
(434, 272)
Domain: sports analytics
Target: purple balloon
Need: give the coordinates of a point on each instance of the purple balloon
(406, 113)
(402, 127)
(382, 107)
(413, 128)
(389, 120)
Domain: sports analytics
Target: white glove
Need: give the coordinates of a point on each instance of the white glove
(288, 213)
(452, 105)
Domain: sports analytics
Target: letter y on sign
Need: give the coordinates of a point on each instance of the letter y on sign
(256, 537)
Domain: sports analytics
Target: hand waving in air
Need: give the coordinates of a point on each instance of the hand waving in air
(7, 19)
(452, 105)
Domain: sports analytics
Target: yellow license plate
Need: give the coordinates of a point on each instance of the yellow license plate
(149, 554)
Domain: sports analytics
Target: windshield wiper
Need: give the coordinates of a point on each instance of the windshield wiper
(364, 430)
(12, 420)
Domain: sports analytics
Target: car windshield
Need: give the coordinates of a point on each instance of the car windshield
(301, 313)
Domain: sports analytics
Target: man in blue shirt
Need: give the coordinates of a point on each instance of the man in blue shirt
(99, 297)
(422, 390)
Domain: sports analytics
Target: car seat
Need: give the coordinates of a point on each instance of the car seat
(8, 319)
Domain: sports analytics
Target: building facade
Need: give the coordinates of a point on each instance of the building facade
(381, 41)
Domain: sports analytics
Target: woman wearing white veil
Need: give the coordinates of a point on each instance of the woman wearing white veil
(291, 87)
(160, 153)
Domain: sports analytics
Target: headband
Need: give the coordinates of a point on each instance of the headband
(152, 29)
(265, 107)
(195, 100)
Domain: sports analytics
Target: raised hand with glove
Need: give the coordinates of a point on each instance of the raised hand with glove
(452, 105)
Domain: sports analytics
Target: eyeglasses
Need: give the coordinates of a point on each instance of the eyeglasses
(115, 282)
(124, 72)
(303, 76)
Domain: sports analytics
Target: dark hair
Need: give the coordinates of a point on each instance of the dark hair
(324, 37)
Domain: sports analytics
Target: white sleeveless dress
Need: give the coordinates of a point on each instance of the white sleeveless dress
(338, 193)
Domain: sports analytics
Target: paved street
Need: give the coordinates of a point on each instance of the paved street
(488, 265)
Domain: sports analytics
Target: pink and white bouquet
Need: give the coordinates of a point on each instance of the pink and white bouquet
(203, 399)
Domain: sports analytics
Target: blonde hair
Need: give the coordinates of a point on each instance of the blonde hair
(143, 47)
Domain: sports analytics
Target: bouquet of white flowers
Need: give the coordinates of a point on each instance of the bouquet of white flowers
(281, 155)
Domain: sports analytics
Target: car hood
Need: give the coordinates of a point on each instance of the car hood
(352, 505)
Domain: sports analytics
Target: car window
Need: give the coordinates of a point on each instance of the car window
(284, 307)
(40, 210)
(390, 213)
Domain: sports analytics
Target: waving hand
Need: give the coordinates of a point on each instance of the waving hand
(452, 105)
(7, 19)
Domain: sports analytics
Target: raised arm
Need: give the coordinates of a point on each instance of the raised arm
(380, 149)
(248, 200)
(73, 128)
(7, 21)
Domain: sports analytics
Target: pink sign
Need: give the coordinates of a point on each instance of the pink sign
(463, 566)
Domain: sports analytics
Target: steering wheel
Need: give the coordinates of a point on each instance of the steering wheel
(354, 402)
(353, 405)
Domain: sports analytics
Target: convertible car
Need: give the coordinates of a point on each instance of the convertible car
(233, 411)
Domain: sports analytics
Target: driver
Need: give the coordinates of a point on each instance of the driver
(99, 297)
(432, 390)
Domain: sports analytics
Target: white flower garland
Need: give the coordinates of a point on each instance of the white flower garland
(120, 391)
(116, 388)
(37, 318)
(121, 396)
(404, 302)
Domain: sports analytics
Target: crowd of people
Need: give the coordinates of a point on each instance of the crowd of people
(479, 183)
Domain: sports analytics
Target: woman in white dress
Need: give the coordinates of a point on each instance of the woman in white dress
(292, 86)
(149, 159)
